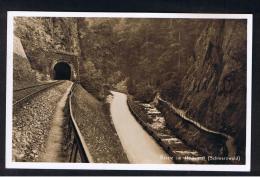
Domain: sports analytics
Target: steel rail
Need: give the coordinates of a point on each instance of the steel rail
(38, 91)
(38, 85)
(79, 144)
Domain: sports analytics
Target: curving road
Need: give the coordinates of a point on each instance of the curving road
(139, 146)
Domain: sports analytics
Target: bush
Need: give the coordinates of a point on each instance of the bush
(144, 92)
(131, 87)
(171, 89)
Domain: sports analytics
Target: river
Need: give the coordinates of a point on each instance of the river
(139, 146)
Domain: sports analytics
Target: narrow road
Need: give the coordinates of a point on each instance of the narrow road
(54, 143)
(139, 146)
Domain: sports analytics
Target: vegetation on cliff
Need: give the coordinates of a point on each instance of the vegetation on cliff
(214, 88)
(197, 65)
(150, 54)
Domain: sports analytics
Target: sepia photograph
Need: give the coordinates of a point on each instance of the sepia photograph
(129, 91)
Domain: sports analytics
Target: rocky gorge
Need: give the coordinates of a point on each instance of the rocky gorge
(214, 88)
(198, 66)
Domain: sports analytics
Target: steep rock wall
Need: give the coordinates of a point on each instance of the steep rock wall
(22, 72)
(40, 35)
(213, 91)
(214, 88)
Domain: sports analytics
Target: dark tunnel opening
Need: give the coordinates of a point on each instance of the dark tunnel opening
(62, 71)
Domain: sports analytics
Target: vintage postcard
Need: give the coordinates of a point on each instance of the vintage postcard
(129, 91)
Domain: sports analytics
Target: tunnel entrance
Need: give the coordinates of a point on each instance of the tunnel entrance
(62, 71)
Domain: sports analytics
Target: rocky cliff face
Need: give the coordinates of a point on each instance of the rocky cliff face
(214, 88)
(39, 35)
(22, 72)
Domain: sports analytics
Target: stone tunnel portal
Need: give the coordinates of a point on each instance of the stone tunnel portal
(62, 71)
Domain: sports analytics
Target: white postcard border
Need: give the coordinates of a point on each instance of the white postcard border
(106, 166)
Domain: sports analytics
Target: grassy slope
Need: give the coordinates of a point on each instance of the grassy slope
(95, 125)
(23, 75)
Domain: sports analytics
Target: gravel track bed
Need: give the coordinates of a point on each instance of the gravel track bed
(31, 124)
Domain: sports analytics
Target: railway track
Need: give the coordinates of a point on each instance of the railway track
(23, 94)
(33, 86)
(78, 151)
